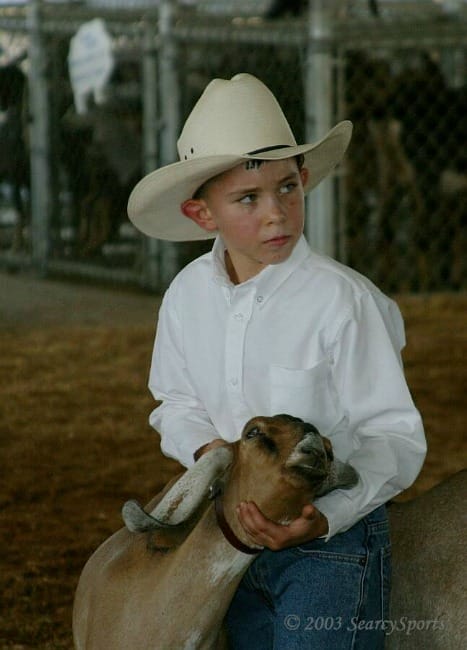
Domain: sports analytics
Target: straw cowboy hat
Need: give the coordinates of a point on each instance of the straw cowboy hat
(233, 121)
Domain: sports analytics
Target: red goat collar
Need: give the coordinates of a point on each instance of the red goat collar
(229, 535)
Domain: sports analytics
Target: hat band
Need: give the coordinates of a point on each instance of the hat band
(275, 146)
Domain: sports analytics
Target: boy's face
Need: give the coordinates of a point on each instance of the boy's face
(258, 211)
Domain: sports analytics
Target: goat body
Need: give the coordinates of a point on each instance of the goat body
(132, 595)
(429, 570)
(169, 586)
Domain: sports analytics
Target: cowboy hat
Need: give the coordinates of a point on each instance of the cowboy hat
(233, 121)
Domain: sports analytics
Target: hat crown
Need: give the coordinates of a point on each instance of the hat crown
(234, 117)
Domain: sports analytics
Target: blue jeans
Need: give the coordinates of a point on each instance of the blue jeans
(322, 595)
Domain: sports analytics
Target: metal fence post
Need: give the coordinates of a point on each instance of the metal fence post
(319, 228)
(40, 140)
(151, 248)
(170, 113)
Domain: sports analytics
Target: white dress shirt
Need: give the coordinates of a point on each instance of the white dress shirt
(308, 337)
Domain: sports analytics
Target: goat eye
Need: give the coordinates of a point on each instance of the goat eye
(252, 433)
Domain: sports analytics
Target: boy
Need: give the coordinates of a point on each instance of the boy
(263, 325)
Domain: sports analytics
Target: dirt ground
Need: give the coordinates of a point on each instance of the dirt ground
(75, 443)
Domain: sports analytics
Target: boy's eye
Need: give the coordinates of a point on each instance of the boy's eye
(248, 198)
(287, 188)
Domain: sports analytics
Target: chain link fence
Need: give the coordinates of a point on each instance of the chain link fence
(395, 210)
(405, 209)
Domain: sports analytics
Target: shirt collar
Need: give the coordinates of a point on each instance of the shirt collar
(269, 279)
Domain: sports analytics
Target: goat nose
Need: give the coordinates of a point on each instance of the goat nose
(316, 456)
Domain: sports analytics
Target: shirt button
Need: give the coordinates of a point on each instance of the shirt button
(259, 298)
(234, 381)
(238, 316)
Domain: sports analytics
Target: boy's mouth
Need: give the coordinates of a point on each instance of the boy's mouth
(280, 240)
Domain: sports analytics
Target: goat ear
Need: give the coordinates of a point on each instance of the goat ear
(328, 448)
(137, 520)
(184, 498)
(341, 475)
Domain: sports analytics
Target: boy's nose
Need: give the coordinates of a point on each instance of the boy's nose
(275, 210)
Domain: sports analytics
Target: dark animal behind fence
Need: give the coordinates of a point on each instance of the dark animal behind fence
(433, 116)
(14, 156)
(407, 173)
(101, 155)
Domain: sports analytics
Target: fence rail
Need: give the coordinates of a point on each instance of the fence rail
(396, 210)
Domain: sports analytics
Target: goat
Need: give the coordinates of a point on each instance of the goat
(108, 139)
(133, 590)
(429, 569)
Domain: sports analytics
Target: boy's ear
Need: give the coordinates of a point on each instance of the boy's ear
(198, 211)
(304, 175)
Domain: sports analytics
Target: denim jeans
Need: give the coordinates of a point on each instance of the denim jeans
(322, 595)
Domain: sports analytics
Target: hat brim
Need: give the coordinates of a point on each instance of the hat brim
(154, 204)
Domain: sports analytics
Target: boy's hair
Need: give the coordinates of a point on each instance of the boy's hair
(249, 164)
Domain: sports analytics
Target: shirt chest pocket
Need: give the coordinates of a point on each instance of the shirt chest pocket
(308, 394)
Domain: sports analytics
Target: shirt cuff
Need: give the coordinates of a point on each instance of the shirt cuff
(339, 511)
(184, 451)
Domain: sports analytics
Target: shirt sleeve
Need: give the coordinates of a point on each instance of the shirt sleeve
(181, 420)
(388, 441)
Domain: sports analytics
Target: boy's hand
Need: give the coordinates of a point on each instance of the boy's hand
(264, 532)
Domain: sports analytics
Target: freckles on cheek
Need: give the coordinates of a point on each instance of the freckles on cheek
(243, 230)
(296, 205)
